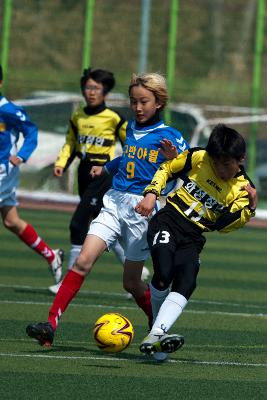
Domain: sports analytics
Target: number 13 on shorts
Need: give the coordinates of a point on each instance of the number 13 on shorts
(161, 237)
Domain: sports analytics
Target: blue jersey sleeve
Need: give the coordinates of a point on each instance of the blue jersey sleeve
(113, 165)
(18, 121)
(178, 140)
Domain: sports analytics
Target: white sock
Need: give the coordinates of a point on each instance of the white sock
(119, 252)
(169, 311)
(74, 252)
(157, 298)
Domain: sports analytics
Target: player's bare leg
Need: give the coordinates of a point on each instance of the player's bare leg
(12, 221)
(92, 248)
(30, 237)
(133, 284)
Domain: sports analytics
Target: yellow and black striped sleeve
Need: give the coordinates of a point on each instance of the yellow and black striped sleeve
(238, 214)
(121, 130)
(68, 150)
(169, 170)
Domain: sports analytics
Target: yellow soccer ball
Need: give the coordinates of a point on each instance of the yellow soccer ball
(113, 332)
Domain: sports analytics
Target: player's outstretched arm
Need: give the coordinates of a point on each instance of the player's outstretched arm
(146, 205)
(167, 149)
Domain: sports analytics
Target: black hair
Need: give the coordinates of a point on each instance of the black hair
(1, 73)
(100, 76)
(226, 142)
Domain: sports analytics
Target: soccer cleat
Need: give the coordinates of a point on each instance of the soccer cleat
(56, 264)
(151, 343)
(42, 332)
(55, 288)
(161, 343)
(171, 343)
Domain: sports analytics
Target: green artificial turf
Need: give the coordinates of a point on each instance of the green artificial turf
(224, 324)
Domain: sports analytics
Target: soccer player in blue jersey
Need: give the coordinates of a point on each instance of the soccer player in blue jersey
(14, 120)
(148, 143)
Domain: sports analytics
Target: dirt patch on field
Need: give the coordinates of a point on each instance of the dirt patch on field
(46, 205)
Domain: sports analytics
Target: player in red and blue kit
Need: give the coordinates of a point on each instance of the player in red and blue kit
(148, 143)
(13, 121)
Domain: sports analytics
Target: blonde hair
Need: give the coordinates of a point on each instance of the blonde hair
(153, 82)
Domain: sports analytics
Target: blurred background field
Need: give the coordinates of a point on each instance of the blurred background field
(215, 44)
(213, 53)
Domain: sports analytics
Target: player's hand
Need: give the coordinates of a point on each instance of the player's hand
(146, 205)
(15, 160)
(168, 150)
(252, 196)
(58, 171)
(96, 170)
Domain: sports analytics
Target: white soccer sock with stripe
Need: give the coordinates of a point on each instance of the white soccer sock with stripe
(169, 311)
(157, 298)
(74, 252)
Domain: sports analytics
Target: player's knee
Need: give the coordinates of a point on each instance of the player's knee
(82, 264)
(11, 224)
(160, 282)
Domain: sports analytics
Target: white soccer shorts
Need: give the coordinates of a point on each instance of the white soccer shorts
(8, 185)
(118, 220)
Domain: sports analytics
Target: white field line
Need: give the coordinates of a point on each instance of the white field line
(104, 306)
(103, 358)
(124, 295)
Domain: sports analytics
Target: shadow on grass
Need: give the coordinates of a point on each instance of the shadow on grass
(56, 350)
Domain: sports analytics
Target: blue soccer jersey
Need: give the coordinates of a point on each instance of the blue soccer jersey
(14, 120)
(141, 158)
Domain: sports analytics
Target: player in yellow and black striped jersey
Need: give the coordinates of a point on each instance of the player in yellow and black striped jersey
(92, 134)
(205, 199)
(216, 194)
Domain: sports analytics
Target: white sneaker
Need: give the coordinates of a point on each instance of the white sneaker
(55, 288)
(56, 264)
(145, 274)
